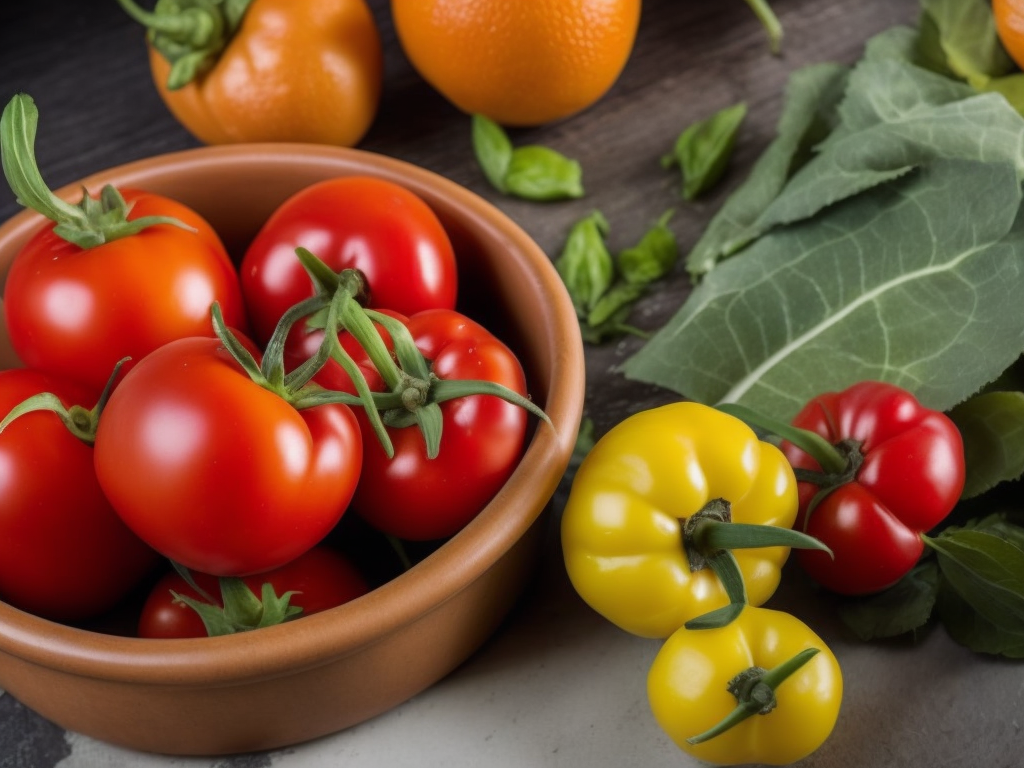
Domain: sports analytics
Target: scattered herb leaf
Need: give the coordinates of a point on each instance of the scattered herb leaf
(702, 151)
(585, 264)
(531, 172)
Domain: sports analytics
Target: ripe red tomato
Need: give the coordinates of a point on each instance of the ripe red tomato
(215, 471)
(411, 496)
(76, 312)
(64, 553)
(910, 479)
(321, 578)
(380, 228)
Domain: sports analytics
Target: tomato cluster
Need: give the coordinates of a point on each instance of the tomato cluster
(177, 408)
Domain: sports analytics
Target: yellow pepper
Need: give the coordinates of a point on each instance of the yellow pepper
(762, 689)
(630, 541)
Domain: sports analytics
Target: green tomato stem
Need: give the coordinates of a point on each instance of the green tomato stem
(770, 22)
(754, 689)
(88, 224)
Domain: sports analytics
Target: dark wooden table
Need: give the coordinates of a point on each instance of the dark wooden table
(558, 686)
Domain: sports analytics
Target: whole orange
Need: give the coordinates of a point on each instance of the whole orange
(1009, 17)
(519, 62)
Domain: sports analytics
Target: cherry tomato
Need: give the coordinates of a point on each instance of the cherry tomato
(76, 312)
(321, 578)
(217, 472)
(910, 477)
(380, 228)
(411, 496)
(64, 553)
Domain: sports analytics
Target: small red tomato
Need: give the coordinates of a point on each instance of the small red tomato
(412, 496)
(321, 579)
(76, 311)
(375, 226)
(910, 478)
(64, 553)
(215, 471)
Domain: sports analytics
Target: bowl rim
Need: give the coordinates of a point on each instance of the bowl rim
(343, 630)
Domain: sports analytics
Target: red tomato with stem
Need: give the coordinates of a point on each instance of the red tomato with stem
(906, 477)
(321, 578)
(378, 227)
(412, 496)
(218, 472)
(64, 552)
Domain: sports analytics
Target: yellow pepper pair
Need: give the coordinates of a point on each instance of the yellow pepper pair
(648, 532)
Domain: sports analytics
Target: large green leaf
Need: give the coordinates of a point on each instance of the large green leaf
(807, 116)
(918, 283)
(992, 425)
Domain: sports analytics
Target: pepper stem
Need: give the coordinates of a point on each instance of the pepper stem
(754, 689)
(88, 224)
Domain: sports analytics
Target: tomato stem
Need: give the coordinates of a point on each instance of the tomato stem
(754, 689)
(770, 22)
(88, 224)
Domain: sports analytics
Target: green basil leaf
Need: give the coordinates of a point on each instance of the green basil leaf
(493, 150)
(917, 284)
(987, 571)
(992, 426)
(540, 173)
(969, 628)
(653, 257)
(621, 296)
(966, 36)
(998, 524)
(703, 150)
(902, 608)
(808, 114)
(585, 264)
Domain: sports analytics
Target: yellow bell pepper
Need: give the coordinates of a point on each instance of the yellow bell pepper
(630, 545)
(762, 689)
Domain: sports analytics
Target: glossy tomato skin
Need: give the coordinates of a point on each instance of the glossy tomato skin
(322, 579)
(910, 480)
(216, 472)
(76, 312)
(64, 553)
(378, 227)
(420, 499)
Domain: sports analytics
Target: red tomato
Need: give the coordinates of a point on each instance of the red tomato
(75, 312)
(64, 553)
(910, 479)
(216, 472)
(321, 579)
(380, 228)
(416, 498)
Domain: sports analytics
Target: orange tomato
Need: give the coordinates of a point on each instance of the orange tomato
(519, 62)
(1009, 17)
(295, 70)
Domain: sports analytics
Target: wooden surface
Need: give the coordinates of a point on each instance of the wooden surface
(906, 705)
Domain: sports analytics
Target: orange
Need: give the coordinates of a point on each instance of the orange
(1009, 17)
(518, 62)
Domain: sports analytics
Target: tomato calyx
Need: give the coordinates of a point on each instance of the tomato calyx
(414, 393)
(708, 538)
(90, 223)
(239, 608)
(79, 420)
(839, 462)
(190, 34)
(754, 689)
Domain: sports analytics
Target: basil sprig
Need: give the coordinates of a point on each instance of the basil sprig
(605, 288)
(704, 148)
(531, 172)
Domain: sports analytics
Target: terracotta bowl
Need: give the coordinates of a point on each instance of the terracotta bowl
(322, 673)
